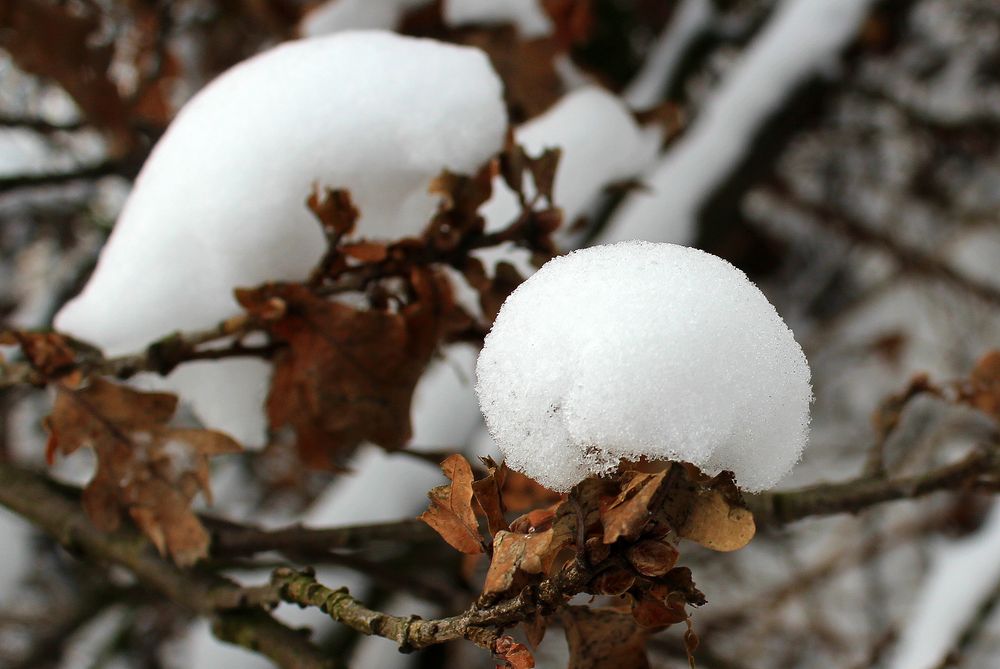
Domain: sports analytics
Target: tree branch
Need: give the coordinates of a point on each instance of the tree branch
(478, 624)
(160, 357)
(235, 611)
(980, 468)
(235, 540)
(86, 172)
(911, 259)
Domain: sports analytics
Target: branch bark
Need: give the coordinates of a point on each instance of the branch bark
(980, 468)
(236, 613)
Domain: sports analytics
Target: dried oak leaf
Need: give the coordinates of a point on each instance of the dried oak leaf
(144, 468)
(521, 493)
(47, 352)
(601, 638)
(515, 655)
(516, 555)
(61, 42)
(450, 513)
(334, 209)
(982, 390)
(653, 611)
(488, 496)
(347, 375)
(714, 515)
(627, 515)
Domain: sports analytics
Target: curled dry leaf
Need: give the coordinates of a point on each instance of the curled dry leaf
(714, 514)
(652, 558)
(515, 655)
(335, 211)
(601, 638)
(144, 468)
(488, 497)
(48, 352)
(347, 375)
(450, 512)
(627, 515)
(516, 555)
(651, 611)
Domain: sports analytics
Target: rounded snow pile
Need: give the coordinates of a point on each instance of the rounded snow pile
(221, 201)
(640, 349)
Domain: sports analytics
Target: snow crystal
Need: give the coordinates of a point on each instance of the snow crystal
(641, 349)
(527, 15)
(220, 202)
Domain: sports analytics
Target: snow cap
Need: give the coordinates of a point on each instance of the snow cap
(640, 349)
(221, 201)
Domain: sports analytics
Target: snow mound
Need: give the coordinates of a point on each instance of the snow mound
(220, 202)
(640, 349)
(527, 16)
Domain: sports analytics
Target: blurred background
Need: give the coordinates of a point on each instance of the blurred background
(844, 153)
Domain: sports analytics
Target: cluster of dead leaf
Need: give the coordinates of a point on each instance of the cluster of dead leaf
(622, 531)
(345, 374)
(348, 347)
(145, 469)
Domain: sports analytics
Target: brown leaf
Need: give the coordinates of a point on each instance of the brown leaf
(487, 495)
(604, 639)
(543, 172)
(347, 375)
(334, 209)
(56, 41)
(653, 612)
(47, 352)
(520, 493)
(516, 555)
(450, 512)
(652, 558)
(515, 655)
(982, 390)
(534, 629)
(716, 517)
(144, 468)
(613, 582)
(628, 514)
(573, 20)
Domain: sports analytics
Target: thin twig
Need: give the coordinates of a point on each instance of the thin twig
(235, 611)
(979, 469)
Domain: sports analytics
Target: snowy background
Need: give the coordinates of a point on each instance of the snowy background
(845, 154)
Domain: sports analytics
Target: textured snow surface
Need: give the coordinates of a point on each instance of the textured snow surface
(527, 16)
(337, 15)
(800, 41)
(641, 349)
(220, 202)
